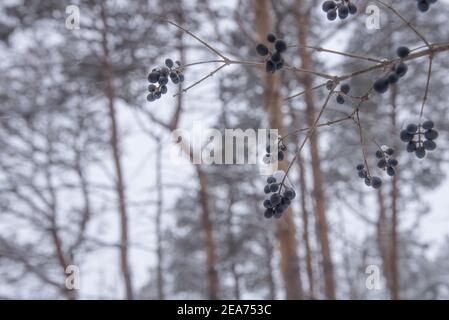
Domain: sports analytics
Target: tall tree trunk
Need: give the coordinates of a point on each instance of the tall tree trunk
(305, 222)
(211, 260)
(159, 210)
(383, 240)
(394, 207)
(119, 183)
(302, 18)
(268, 261)
(232, 246)
(286, 230)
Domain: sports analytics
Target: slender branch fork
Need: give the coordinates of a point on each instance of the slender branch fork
(427, 50)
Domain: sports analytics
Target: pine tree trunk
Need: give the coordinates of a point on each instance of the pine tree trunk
(286, 230)
(305, 222)
(159, 210)
(394, 208)
(211, 260)
(119, 184)
(302, 19)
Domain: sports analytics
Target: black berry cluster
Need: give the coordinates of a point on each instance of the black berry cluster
(371, 181)
(386, 161)
(277, 201)
(424, 5)
(344, 90)
(340, 8)
(420, 138)
(398, 70)
(158, 79)
(270, 156)
(274, 60)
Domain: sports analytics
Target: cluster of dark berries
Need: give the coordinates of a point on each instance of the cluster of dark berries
(270, 156)
(424, 5)
(274, 60)
(342, 8)
(277, 201)
(420, 138)
(158, 79)
(398, 70)
(371, 181)
(386, 160)
(344, 88)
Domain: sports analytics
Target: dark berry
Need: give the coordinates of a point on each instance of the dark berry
(274, 187)
(276, 57)
(376, 182)
(382, 163)
(360, 167)
(271, 37)
(174, 77)
(431, 134)
(412, 128)
(150, 97)
(405, 136)
(280, 46)
(169, 63)
(286, 201)
(153, 77)
(411, 147)
(423, 6)
(420, 152)
(392, 162)
(393, 77)
(390, 171)
(381, 85)
(343, 11)
(151, 87)
(278, 213)
(270, 66)
(345, 88)
(163, 80)
(401, 69)
(275, 199)
(427, 125)
(290, 193)
(429, 145)
(266, 189)
(379, 154)
(268, 213)
(280, 64)
(332, 14)
(261, 49)
(352, 8)
(271, 180)
(165, 71)
(340, 99)
(328, 5)
(267, 204)
(402, 52)
(390, 151)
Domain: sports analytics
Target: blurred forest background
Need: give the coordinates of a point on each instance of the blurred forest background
(86, 179)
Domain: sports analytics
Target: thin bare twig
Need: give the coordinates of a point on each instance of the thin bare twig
(426, 92)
